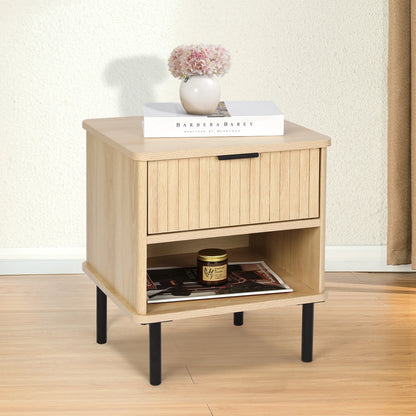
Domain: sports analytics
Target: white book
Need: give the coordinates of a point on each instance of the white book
(232, 118)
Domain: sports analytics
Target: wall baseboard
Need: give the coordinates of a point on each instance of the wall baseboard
(360, 259)
(69, 260)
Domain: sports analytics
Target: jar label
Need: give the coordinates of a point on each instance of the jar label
(214, 273)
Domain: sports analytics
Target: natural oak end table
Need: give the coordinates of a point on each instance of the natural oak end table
(157, 202)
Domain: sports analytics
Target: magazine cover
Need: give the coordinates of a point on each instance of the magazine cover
(178, 284)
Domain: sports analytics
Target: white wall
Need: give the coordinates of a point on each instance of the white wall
(322, 61)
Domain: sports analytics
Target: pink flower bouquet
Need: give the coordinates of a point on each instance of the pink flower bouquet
(209, 60)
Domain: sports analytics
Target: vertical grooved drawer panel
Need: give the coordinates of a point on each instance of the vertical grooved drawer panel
(198, 193)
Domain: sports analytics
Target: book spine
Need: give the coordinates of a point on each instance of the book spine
(213, 127)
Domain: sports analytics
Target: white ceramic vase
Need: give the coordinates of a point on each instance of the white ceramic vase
(200, 94)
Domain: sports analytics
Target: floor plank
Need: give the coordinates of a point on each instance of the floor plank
(364, 354)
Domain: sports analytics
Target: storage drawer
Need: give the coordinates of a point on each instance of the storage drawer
(198, 193)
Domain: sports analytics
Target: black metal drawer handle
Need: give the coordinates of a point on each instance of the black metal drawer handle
(239, 156)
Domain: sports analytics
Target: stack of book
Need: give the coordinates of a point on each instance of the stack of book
(232, 118)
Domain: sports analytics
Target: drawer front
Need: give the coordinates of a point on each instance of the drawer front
(198, 193)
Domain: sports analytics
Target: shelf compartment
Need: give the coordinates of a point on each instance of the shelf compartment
(307, 281)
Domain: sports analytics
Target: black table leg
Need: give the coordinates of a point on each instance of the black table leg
(307, 332)
(155, 359)
(238, 318)
(101, 316)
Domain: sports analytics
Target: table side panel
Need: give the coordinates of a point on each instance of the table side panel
(113, 232)
(322, 210)
(139, 205)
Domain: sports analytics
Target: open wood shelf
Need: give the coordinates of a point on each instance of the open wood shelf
(302, 293)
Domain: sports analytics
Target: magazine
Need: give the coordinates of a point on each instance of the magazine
(173, 284)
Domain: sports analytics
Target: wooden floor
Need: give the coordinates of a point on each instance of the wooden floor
(364, 355)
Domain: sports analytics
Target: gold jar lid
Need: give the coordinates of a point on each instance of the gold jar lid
(212, 254)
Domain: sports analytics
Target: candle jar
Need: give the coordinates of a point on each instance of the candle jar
(212, 266)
